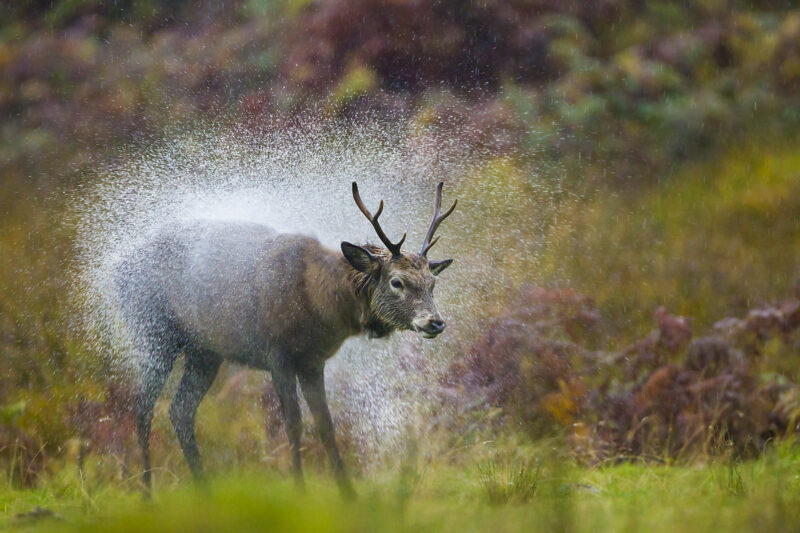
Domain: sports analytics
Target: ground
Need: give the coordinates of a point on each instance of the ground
(518, 490)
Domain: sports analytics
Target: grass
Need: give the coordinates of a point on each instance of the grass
(517, 484)
(713, 240)
(504, 494)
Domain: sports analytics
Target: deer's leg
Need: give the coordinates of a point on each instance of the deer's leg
(200, 370)
(285, 381)
(154, 374)
(313, 383)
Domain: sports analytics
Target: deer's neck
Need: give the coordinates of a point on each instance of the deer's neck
(364, 320)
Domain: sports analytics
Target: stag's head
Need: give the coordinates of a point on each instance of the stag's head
(399, 284)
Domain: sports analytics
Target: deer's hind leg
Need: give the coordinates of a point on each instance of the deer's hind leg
(157, 339)
(200, 369)
(154, 374)
(158, 342)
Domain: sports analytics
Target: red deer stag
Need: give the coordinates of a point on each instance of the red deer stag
(276, 302)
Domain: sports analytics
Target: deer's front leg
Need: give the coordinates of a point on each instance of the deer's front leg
(313, 384)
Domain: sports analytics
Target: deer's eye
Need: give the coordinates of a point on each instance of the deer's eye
(396, 283)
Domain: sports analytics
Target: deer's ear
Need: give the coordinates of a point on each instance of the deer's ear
(437, 266)
(360, 258)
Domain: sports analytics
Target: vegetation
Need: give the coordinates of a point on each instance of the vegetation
(712, 241)
(660, 142)
(757, 496)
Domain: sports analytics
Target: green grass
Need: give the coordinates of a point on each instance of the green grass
(538, 495)
(714, 240)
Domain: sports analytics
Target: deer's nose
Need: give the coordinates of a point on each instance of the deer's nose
(436, 326)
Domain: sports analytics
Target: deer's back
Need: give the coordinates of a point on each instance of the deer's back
(237, 289)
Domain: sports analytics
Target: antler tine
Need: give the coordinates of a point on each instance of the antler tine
(429, 246)
(394, 248)
(429, 241)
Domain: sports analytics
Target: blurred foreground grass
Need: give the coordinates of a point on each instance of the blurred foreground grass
(513, 490)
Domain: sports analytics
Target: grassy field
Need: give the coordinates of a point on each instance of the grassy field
(692, 242)
(712, 240)
(513, 491)
(650, 156)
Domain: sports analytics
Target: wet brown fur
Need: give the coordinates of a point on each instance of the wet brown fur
(411, 263)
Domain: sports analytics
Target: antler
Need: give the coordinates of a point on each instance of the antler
(428, 243)
(394, 248)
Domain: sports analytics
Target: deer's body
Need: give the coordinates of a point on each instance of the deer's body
(277, 302)
(245, 292)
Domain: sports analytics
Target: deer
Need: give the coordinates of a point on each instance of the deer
(277, 302)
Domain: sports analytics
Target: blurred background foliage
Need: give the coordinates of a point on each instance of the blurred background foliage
(670, 129)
